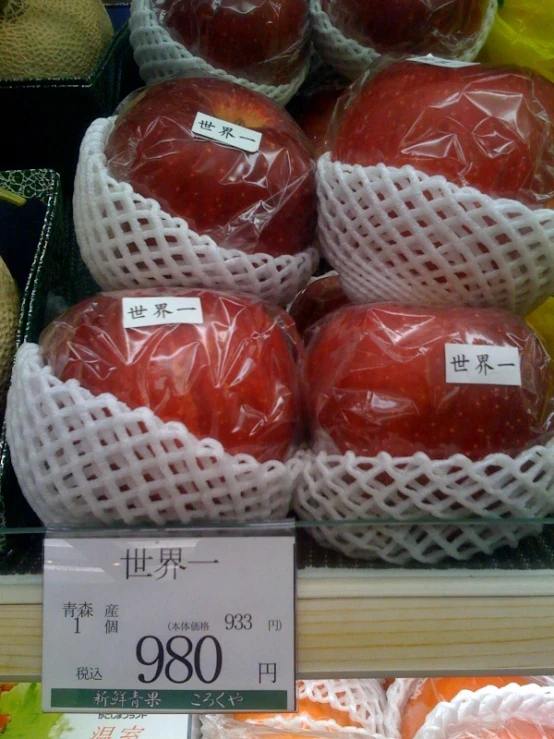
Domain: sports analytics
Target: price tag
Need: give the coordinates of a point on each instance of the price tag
(479, 364)
(160, 311)
(226, 133)
(139, 624)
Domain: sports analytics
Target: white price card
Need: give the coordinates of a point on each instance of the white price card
(224, 132)
(138, 624)
(479, 364)
(160, 311)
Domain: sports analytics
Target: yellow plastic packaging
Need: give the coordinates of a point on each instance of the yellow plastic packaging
(523, 34)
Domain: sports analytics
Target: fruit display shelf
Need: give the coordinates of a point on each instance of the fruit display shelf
(353, 620)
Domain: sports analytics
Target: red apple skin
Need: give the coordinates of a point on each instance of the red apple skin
(321, 297)
(234, 378)
(374, 379)
(442, 27)
(263, 202)
(265, 41)
(313, 113)
(490, 128)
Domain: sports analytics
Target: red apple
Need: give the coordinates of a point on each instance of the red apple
(313, 112)
(317, 300)
(233, 378)
(256, 202)
(444, 27)
(490, 128)
(265, 41)
(375, 380)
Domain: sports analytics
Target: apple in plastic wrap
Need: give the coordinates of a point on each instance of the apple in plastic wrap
(233, 378)
(322, 296)
(258, 202)
(442, 27)
(490, 128)
(265, 41)
(375, 381)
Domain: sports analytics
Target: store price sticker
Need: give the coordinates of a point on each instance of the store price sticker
(195, 624)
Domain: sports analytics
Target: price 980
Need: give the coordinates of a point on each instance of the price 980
(238, 621)
(205, 663)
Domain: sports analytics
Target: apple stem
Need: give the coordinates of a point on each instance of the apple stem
(9, 196)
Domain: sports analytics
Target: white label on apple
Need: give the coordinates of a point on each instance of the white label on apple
(161, 310)
(226, 133)
(434, 61)
(132, 725)
(479, 364)
(202, 623)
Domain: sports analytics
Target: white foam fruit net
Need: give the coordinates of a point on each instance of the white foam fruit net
(481, 712)
(128, 241)
(398, 234)
(340, 490)
(363, 701)
(160, 57)
(351, 58)
(82, 458)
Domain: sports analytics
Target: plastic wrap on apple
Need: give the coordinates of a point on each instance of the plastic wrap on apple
(399, 379)
(438, 185)
(477, 125)
(221, 727)
(350, 34)
(322, 296)
(230, 162)
(266, 42)
(223, 365)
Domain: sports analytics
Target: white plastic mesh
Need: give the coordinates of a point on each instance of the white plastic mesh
(363, 700)
(344, 488)
(81, 458)
(398, 234)
(398, 694)
(160, 57)
(128, 241)
(351, 59)
(470, 713)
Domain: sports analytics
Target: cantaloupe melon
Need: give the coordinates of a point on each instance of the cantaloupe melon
(9, 316)
(52, 38)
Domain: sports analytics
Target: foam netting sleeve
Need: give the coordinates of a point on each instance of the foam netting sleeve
(470, 713)
(128, 241)
(160, 57)
(398, 234)
(83, 458)
(364, 701)
(339, 489)
(351, 58)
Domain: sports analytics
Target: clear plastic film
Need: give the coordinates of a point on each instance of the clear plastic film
(231, 377)
(477, 125)
(447, 29)
(260, 201)
(322, 296)
(264, 41)
(377, 378)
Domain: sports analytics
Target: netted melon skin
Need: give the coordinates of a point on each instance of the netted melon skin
(44, 39)
(9, 317)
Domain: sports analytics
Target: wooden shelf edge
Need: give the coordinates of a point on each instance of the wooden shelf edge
(367, 627)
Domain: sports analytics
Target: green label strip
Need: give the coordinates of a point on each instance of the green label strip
(146, 701)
